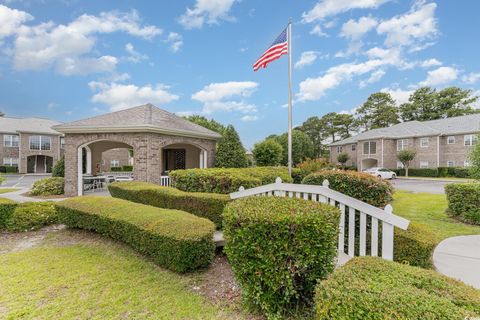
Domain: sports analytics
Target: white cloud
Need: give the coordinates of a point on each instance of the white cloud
(307, 58)
(206, 11)
(122, 96)
(317, 30)
(399, 95)
(355, 30)
(64, 47)
(134, 55)
(226, 96)
(175, 40)
(471, 78)
(249, 118)
(440, 76)
(417, 25)
(374, 77)
(327, 8)
(11, 20)
(430, 63)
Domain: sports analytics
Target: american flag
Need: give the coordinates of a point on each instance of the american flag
(277, 49)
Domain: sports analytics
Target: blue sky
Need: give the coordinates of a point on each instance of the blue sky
(67, 59)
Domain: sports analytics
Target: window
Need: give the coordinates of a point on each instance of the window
(450, 139)
(62, 143)
(339, 149)
(450, 163)
(469, 140)
(424, 142)
(40, 143)
(354, 147)
(402, 144)
(10, 162)
(399, 165)
(370, 147)
(10, 141)
(423, 164)
(114, 163)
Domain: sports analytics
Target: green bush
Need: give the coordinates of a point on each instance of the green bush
(59, 168)
(221, 180)
(267, 153)
(127, 168)
(441, 172)
(9, 169)
(361, 186)
(464, 201)
(48, 187)
(415, 245)
(461, 172)
(30, 216)
(278, 248)
(174, 239)
(314, 165)
(205, 205)
(369, 288)
(298, 175)
(7, 207)
(116, 169)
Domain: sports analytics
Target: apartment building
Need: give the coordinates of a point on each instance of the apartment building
(437, 143)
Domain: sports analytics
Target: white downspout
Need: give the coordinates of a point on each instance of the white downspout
(79, 171)
(438, 151)
(382, 154)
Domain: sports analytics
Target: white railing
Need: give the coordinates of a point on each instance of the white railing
(165, 181)
(350, 208)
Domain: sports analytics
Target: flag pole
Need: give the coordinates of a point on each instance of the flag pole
(289, 37)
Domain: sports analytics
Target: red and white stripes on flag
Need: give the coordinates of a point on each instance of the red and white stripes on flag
(278, 48)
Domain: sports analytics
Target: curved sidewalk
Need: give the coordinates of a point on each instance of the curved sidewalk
(459, 258)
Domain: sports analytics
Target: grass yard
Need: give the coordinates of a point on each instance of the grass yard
(7, 190)
(93, 279)
(429, 209)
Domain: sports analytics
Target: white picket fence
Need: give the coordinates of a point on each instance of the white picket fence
(350, 208)
(165, 181)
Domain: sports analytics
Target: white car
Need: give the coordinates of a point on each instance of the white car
(381, 173)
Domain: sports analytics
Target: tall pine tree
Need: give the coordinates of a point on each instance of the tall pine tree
(230, 151)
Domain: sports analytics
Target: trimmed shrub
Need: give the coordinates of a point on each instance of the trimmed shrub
(464, 201)
(415, 245)
(8, 169)
(30, 216)
(175, 239)
(461, 172)
(278, 248)
(298, 175)
(369, 288)
(116, 169)
(127, 168)
(359, 185)
(6, 211)
(48, 187)
(441, 172)
(58, 169)
(221, 180)
(205, 205)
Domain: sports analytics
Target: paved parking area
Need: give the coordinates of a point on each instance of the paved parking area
(417, 185)
(23, 181)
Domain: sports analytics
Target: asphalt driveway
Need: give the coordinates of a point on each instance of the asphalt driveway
(21, 180)
(418, 185)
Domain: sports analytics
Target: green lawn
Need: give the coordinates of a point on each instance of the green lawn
(429, 209)
(99, 280)
(7, 190)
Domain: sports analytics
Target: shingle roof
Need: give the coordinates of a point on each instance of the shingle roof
(31, 125)
(442, 127)
(142, 118)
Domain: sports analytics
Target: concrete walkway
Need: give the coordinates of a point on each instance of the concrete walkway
(18, 196)
(459, 258)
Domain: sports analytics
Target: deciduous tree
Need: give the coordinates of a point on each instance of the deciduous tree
(405, 157)
(268, 153)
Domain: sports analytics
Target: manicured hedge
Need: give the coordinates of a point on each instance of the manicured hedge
(369, 288)
(174, 239)
(116, 169)
(205, 205)
(440, 172)
(222, 180)
(415, 245)
(359, 185)
(7, 207)
(48, 187)
(464, 201)
(31, 216)
(278, 248)
(127, 168)
(8, 169)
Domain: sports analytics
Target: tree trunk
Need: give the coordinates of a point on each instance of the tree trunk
(406, 171)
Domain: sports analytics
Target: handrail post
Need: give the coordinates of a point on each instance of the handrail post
(387, 236)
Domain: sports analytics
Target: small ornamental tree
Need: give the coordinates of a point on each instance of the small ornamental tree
(230, 151)
(59, 168)
(343, 158)
(405, 156)
(475, 161)
(267, 153)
